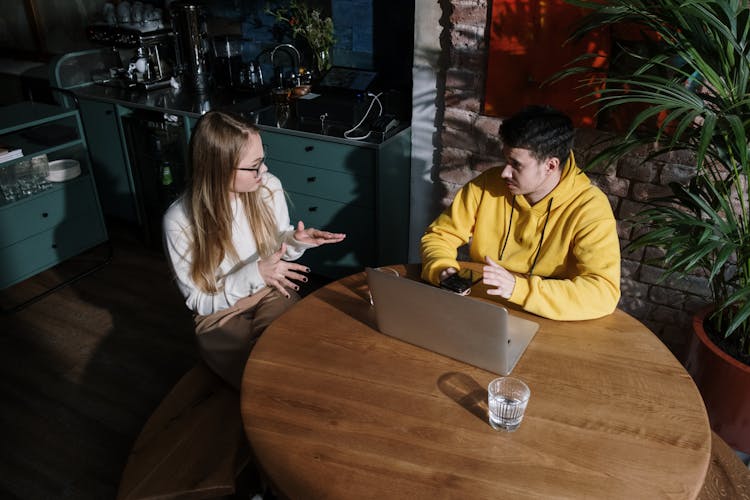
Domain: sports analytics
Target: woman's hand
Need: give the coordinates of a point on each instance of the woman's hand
(312, 236)
(496, 275)
(277, 272)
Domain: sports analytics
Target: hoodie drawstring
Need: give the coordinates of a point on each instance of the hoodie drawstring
(541, 238)
(510, 225)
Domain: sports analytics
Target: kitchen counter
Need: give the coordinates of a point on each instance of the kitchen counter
(79, 72)
(254, 107)
(173, 101)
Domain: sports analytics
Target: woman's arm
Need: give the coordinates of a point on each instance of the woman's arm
(240, 281)
(297, 239)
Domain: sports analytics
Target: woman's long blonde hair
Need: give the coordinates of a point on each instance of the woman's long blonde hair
(215, 148)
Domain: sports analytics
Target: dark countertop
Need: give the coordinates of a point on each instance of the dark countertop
(254, 107)
(175, 101)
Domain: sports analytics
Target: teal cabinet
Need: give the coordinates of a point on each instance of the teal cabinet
(358, 189)
(40, 230)
(104, 137)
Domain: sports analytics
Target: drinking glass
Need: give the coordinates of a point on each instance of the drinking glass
(8, 183)
(40, 171)
(507, 400)
(25, 179)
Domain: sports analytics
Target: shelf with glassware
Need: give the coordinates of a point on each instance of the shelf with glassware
(44, 222)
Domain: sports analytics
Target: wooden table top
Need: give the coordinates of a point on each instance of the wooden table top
(334, 409)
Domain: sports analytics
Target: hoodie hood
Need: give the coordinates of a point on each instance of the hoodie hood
(572, 183)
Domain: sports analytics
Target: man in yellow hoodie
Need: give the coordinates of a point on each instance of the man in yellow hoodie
(547, 236)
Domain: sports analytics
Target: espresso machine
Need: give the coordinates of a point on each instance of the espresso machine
(150, 60)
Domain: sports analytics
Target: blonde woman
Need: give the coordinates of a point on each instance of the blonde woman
(229, 242)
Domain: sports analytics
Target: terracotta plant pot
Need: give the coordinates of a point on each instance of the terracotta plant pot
(724, 384)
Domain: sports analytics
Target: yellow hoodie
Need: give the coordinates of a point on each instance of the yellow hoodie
(574, 275)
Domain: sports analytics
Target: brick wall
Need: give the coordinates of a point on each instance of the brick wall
(468, 144)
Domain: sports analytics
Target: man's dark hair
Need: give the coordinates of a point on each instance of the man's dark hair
(542, 130)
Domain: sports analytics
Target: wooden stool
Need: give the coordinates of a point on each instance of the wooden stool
(727, 476)
(192, 446)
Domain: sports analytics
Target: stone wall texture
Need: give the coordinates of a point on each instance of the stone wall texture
(468, 144)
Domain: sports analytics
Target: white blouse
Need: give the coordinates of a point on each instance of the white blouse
(237, 278)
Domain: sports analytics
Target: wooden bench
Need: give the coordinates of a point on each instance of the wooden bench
(727, 476)
(192, 446)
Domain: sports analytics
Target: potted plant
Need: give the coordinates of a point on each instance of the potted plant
(689, 83)
(310, 25)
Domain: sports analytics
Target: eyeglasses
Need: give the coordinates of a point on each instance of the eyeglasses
(253, 169)
(245, 169)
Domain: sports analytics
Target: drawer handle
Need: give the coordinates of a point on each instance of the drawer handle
(309, 148)
(312, 209)
(45, 215)
(311, 179)
(54, 245)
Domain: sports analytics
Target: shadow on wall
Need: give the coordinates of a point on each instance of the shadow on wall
(426, 189)
(428, 110)
(443, 63)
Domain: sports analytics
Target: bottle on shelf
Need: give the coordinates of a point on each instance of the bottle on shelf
(168, 189)
(166, 174)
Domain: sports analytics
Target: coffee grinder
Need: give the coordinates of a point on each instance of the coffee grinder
(193, 45)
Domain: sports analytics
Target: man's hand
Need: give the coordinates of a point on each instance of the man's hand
(499, 277)
(448, 271)
(277, 273)
(312, 236)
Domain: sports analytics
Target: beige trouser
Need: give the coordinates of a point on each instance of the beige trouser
(225, 338)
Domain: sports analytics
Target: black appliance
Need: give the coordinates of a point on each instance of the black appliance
(153, 60)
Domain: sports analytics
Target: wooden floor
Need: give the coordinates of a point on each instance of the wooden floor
(83, 368)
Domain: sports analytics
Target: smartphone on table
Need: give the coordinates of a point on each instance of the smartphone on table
(461, 281)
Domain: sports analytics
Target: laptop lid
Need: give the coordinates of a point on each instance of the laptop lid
(476, 332)
(345, 81)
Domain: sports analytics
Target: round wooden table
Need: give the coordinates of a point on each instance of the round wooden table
(334, 409)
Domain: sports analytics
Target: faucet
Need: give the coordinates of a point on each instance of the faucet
(295, 58)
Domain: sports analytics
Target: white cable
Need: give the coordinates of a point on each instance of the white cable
(367, 113)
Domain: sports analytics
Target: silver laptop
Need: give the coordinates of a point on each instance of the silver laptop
(474, 331)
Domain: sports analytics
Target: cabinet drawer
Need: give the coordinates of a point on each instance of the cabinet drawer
(47, 210)
(354, 160)
(46, 249)
(334, 186)
(339, 259)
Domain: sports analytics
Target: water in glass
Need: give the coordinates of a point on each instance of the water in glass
(507, 400)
